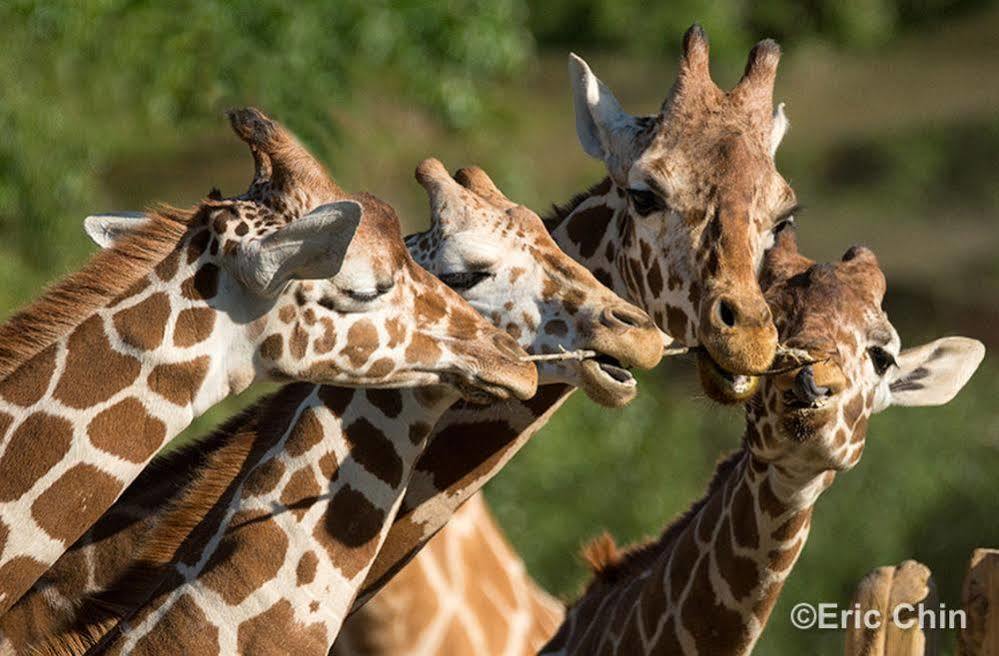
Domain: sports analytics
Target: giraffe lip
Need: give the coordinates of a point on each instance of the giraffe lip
(723, 385)
(610, 368)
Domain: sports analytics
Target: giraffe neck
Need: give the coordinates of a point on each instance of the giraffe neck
(468, 593)
(101, 558)
(278, 559)
(81, 418)
(708, 585)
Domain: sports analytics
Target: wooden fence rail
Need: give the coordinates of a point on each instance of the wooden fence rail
(881, 591)
(885, 588)
(980, 600)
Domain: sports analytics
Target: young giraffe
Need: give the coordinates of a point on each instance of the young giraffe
(551, 298)
(708, 585)
(679, 228)
(467, 593)
(193, 306)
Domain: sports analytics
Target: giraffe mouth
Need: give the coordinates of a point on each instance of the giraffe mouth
(722, 385)
(607, 381)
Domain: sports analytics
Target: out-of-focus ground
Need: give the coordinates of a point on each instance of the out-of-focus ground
(896, 148)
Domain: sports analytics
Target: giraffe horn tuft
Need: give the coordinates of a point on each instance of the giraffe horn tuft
(281, 164)
(756, 88)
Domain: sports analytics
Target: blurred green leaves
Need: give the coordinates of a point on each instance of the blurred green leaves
(85, 80)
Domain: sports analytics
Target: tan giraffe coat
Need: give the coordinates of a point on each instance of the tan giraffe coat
(590, 317)
(679, 226)
(709, 583)
(467, 593)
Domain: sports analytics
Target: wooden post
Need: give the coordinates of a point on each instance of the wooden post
(883, 590)
(980, 600)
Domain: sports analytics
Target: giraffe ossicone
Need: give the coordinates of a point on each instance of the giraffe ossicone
(710, 582)
(293, 280)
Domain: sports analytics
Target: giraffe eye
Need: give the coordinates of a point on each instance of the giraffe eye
(645, 202)
(462, 280)
(366, 296)
(782, 224)
(881, 359)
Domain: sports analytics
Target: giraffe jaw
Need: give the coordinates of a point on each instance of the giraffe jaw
(721, 385)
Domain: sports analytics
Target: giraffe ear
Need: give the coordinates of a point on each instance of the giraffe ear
(779, 129)
(599, 117)
(933, 374)
(312, 247)
(107, 229)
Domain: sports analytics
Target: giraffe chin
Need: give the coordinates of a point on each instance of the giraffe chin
(607, 384)
(723, 386)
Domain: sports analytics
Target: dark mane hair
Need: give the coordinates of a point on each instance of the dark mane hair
(560, 212)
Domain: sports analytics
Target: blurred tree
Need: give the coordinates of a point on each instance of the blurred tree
(84, 80)
(732, 24)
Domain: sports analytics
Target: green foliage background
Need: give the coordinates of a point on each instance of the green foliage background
(115, 104)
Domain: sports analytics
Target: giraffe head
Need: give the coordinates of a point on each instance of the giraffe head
(502, 260)
(696, 197)
(844, 361)
(324, 287)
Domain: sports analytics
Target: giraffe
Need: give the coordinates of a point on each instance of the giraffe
(467, 593)
(679, 228)
(284, 282)
(709, 583)
(520, 280)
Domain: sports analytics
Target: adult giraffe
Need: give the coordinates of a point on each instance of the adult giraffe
(678, 227)
(268, 565)
(121, 356)
(709, 583)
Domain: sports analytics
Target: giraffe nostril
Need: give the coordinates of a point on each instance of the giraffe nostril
(624, 317)
(726, 313)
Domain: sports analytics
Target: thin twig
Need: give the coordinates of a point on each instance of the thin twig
(580, 354)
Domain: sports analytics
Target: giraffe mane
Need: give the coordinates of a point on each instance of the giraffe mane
(212, 464)
(108, 274)
(560, 212)
(611, 564)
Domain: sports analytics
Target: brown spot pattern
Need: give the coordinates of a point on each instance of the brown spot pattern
(305, 571)
(179, 383)
(272, 348)
(27, 385)
(127, 431)
(185, 621)
(374, 451)
(422, 350)
(193, 326)
(350, 529)
(389, 401)
(142, 325)
(276, 631)
(78, 386)
(233, 570)
(301, 492)
(71, 505)
(587, 227)
(36, 446)
(362, 340)
(203, 285)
